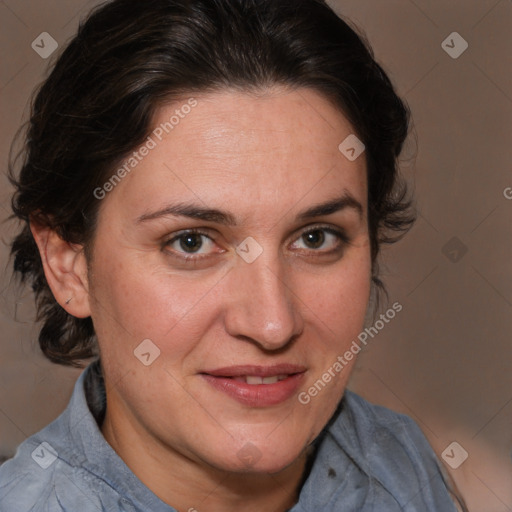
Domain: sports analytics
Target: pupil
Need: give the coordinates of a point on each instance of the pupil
(191, 242)
(314, 238)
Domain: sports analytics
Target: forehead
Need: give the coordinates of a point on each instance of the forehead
(284, 120)
(245, 148)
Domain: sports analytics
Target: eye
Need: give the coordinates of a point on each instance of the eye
(322, 240)
(190, 242)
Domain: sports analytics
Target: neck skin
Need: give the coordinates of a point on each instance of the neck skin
(189, 486)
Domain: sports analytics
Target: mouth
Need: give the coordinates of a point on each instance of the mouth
(257, 386)
(255, 380)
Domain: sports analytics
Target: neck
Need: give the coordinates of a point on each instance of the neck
(191, 486)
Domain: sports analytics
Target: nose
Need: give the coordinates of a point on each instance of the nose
(262, 307)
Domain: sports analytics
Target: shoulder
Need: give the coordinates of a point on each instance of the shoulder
(368, 420)
(393, 452)
(38, 479)
(379, 431)
(384, 437)
(49, 471)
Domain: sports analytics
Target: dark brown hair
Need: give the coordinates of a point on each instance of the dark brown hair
(129, 57)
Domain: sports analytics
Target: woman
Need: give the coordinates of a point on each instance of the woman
(205, 189)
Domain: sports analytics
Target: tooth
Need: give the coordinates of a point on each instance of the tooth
(254, 380)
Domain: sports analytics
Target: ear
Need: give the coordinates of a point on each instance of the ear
(65, 268)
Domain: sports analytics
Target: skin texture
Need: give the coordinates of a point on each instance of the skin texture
(264, 158)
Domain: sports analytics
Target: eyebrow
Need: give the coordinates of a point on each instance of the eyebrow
(195, 211)
(332, 206)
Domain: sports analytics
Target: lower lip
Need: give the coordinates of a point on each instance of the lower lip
(257, 395)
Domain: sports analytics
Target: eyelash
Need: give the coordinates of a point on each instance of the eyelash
(343, 241)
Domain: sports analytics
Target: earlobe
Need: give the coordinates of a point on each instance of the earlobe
(65, 268)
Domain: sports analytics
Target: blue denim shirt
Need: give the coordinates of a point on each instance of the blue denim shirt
(368, 458)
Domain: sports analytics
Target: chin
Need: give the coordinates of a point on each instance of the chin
(262, 458)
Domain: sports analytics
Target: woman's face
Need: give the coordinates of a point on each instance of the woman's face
(238, 245)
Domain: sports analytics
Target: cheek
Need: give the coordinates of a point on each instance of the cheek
(337, 311)
(340, 298)
(137, 300)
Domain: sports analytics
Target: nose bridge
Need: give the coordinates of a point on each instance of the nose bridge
(262, 306)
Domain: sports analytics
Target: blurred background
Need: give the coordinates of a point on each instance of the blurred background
(446, 358)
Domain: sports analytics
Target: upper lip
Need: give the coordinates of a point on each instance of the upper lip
(257, 371)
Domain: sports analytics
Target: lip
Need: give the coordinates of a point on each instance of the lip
(256, 395)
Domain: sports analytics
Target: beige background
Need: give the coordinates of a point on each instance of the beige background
(446, 358)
